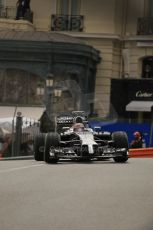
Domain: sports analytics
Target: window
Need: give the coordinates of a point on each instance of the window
(145, 23)
(67, 16)
(147, 67)
(150, 8)
(1, 7)
(68, 7)
(1, 2)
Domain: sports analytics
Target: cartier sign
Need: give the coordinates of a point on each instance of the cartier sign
(143, 94)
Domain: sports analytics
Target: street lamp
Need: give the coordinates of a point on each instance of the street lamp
(40, 90)
(49, 80)
(57, 92)
(50, 92)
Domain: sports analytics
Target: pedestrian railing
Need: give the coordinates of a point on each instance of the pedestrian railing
(13, 146)
(9, 12)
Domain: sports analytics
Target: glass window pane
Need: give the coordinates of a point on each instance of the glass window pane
(1, 2)
(63, 7)
(151, 8)
(75, 7)
(68, 7)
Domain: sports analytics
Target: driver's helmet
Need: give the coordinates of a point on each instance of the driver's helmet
(78, 127)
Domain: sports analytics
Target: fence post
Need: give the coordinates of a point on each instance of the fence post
(18, 134)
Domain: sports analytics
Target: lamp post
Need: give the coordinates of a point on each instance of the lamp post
(50, 92)
(58, 94)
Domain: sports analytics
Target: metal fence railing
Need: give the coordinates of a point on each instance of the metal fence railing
(67, 22)
(9, 12)
(17, 141)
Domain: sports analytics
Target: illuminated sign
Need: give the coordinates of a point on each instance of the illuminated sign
(143, 94)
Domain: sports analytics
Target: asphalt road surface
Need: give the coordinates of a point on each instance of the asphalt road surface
(76, 196)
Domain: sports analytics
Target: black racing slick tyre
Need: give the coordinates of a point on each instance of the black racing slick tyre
(121, 141)
(52, 143)
(39, 143)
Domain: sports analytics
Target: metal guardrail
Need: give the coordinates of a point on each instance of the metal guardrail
(9, 12)
(67, 22)
(23, 140)
(30, 157)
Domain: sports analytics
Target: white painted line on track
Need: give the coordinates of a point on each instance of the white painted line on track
(19, 168)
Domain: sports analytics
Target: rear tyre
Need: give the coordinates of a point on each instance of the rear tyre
(121, 141)
(52, 142)
(39, 143)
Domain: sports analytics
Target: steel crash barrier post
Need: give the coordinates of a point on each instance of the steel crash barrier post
(141, 152)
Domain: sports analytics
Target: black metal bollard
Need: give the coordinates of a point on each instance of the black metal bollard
(18, 134)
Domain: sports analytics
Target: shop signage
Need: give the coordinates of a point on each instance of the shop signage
(131, 90)
(141, 94)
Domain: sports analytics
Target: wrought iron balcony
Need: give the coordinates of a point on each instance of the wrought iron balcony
(9, 12)
(145, 26)
(67, 23)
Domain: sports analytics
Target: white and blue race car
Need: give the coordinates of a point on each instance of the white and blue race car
(75, 140)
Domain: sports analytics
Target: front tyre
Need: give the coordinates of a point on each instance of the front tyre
(52, 142)
(121, 141)
(39, 143)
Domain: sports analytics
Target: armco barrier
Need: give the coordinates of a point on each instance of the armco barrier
(17, 158)
(141, 153)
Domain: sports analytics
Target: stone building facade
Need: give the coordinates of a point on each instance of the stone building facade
(120, 30)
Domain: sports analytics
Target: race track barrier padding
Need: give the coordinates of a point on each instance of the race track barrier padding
(143, 152)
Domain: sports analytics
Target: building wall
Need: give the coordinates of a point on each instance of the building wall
(136, 51)
(101, 16)
(42, 13)
(110, 27)
(110, 52)
(135, 9)
(104, 74)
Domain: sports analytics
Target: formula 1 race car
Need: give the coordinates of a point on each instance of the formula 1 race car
(75, 140)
